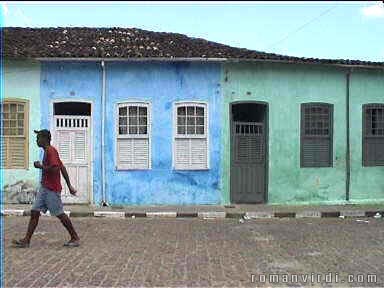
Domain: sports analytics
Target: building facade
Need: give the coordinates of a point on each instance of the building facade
(188, 131)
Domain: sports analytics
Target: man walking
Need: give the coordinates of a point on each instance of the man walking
(48, 196)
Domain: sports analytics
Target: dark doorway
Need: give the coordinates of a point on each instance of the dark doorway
(72, 108)
(248, 176)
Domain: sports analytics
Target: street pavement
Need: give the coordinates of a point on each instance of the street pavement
(182, 252)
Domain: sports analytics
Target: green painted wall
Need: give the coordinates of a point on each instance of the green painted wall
(22, 80)
(284, 87)
(367, 183)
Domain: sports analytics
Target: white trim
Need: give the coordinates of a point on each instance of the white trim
(12, 212)
(90, 126)
(162, 214)
(226, 60)
(103, 114)
(138, 103)
(211, 214)
(190, 103)
(109, 214)
(133, 59)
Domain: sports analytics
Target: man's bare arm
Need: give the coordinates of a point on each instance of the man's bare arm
(51, 168)
(66, 177)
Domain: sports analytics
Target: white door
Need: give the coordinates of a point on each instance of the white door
(72, 141)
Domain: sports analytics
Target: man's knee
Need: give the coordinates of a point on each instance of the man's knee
(35, 214)
(62, 216)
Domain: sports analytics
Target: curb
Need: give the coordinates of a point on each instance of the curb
(207, 215)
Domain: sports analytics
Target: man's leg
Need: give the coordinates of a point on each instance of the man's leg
(33, 221)
(55, 206)
(68, 225)
(38, 205)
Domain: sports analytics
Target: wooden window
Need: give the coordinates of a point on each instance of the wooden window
(373, 135)
(133, 136)
(316, 135)
(15, 134)
(190, 136)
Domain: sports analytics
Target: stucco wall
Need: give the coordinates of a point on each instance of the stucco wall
(367, 183)
(22, 81)
(78, 81)
(284, 88)
(162, 84)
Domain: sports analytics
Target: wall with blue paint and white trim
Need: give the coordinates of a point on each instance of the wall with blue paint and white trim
(75, 81)
(163, 84)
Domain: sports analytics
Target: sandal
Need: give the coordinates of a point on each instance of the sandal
(72, 243)
(20, 244)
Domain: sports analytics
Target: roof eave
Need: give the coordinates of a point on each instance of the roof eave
(93, 59)
(198, 59)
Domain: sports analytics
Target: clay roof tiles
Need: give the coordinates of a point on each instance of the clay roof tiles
(22, 43)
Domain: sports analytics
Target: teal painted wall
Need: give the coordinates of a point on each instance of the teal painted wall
(367, 183)
(22, 80)
(284, 87)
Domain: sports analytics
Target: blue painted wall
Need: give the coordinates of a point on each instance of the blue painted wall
(162, 84)
(77, 81)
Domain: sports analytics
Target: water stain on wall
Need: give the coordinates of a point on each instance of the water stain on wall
(21, 192)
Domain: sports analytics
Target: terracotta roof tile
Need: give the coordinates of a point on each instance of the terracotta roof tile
(128, 43)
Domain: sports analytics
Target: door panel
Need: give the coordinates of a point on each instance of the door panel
(247, 162)
(73, 144)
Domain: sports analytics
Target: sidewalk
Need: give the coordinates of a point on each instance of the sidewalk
(212, 211)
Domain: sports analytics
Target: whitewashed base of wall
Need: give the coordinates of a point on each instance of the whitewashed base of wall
(207, 215)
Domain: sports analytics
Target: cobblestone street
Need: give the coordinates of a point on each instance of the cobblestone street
(194, 252)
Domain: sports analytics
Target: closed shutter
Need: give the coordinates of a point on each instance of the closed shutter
(182, 153)
(316, 135)
(16, 150)
(249, 149)
(13, 152)
(133, 136)
(64, 145)
(80, 146)
(373, 134)
(374, 151)
(199, 153)
(132, 153)
(191, 153)
(4, 153)
(14, 140)
(140, 153)
(316, 152)
(190, 136)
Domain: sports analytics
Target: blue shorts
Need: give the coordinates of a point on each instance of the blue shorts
(48, 200)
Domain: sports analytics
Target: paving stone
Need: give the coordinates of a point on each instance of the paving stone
(169, 252)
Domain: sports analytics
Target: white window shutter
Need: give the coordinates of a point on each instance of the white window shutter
(80, 146)
(5, 153)
(124, 153)
(132, 153)
(64, 145)
(17, 152)
(182, 153)
(140, 153)
(198, 153)
(133, 142)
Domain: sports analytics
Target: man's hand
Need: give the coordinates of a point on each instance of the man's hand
(37, 164)
(72, 190)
